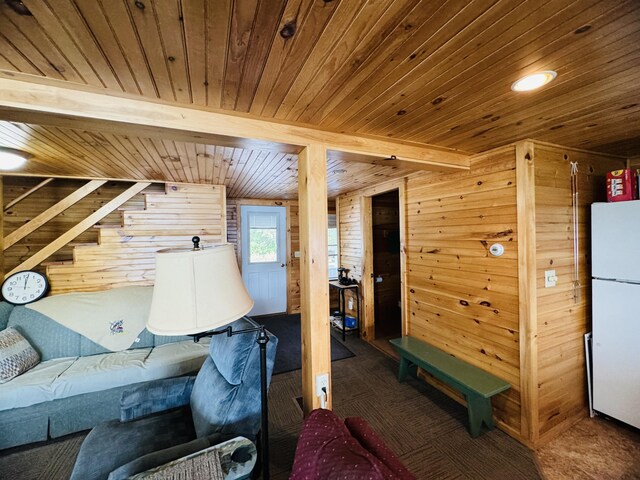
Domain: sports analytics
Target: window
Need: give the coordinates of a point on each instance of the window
(263, 238)
(333, 247)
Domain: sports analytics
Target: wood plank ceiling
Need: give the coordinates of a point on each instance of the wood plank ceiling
(432, 71)
(246, 173)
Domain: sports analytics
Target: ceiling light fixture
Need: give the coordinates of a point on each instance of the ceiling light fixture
(531, 82)
(11, 159)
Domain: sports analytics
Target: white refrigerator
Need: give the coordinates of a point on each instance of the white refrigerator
(615, 237)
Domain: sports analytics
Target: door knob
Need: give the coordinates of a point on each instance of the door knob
(282, 265)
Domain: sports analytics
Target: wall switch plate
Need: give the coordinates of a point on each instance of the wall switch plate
(296, 254)
(550, 278)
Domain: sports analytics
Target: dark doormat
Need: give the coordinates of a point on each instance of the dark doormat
(289, 353)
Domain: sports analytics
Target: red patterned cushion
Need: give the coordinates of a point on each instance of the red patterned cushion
(326, 450)
(370, 440)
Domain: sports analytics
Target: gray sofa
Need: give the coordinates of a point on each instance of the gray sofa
(78, 383)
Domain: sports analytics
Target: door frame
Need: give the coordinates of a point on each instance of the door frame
(242, 202)
(367, 287)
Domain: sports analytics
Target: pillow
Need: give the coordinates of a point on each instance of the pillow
(231, 354)
(16, 355)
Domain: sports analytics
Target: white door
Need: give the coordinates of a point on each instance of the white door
(264, 257)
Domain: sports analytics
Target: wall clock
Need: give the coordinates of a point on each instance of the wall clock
(24, 287)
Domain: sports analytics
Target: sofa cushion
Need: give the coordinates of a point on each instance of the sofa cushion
(35, 386)
(164, 339)
(5, 311)
(326, 449)
(62, 378)
(101, 372)
(16, 355)
(49, 338)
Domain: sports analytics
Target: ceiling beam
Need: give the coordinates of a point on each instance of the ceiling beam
(52, 102)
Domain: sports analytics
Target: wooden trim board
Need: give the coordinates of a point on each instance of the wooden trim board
(50, 213)
(72, 233)
(50, 100)
(314, 275)
(528, 318)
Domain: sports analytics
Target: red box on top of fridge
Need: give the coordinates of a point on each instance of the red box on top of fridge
(621, 185)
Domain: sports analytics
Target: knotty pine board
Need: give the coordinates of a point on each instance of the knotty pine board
(461, 299)
(47, 196)
(562, 321)
(122, 250)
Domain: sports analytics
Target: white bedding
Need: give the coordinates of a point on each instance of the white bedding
(65, 377)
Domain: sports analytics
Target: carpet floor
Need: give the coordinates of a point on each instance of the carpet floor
(426, 429)
(289, 353)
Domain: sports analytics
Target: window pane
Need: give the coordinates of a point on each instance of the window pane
(263, 245)
(263, 220)
(333, 236)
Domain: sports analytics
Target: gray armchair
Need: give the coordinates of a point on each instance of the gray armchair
(220, 403)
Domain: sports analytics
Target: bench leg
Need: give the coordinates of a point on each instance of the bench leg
(406, 367)
(480, 411)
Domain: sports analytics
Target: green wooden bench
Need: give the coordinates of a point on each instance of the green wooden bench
(477, 385)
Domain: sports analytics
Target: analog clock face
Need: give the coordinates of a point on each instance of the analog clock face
(24, 287)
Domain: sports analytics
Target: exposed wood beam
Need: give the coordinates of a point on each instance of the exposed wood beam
(13, 202)
(76, 230)
(314, 274)
(51, 212)
(51, 98)
(528, 313)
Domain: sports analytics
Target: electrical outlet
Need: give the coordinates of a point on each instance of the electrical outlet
(322, 381)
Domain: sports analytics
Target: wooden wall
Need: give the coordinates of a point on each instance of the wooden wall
(459, 297)
(462, 299)
(562, 320)
(485, 309)
(122, 249)
(350, 230)
(351, 253)
(46, 197)
(293, 241)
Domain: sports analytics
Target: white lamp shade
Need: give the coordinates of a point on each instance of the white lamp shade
(197, 291)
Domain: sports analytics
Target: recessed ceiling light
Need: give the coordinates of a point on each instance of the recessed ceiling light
(11, 159)
(531, 82)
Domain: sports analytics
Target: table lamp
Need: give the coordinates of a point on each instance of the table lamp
(198, 291)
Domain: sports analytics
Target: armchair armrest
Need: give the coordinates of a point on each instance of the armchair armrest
(237, 458)
(155, 396)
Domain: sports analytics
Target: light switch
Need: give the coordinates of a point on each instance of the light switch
(550, 278)
(296, 254)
